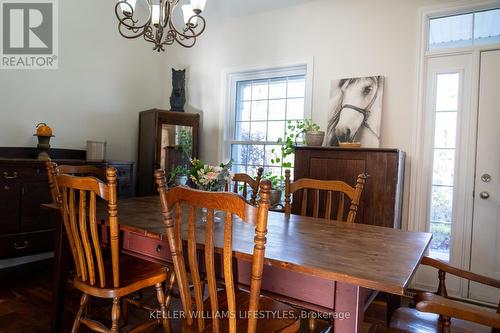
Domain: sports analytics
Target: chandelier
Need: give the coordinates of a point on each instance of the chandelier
(156, 25)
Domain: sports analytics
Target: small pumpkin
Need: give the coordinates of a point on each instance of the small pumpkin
(43, 130)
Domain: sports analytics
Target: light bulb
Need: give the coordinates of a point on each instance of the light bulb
(125, 7)
(187, 11)
(155, 14)
(198, 5)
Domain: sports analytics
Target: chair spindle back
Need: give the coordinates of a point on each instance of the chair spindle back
(244, 181)
(309, 192)
(180, 206)
(78, 199)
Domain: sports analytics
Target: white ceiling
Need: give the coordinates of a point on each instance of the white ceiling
(235, 8)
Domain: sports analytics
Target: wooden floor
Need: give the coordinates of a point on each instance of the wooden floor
(25, 304)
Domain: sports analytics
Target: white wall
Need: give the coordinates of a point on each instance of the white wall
(345, 38)
(103, 81)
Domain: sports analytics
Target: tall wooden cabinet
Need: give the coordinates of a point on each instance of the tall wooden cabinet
(25, 228)
(381, 202)
(159, 135)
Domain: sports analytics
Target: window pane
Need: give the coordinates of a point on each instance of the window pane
(272, 152)
(487, 26)
(258, 131)
(443, 167)
(259, 110)
(242, 131)
(447, 92)
(255, 155)
(245, 90)
(296, 86)
(239, 154)
(243, 112)
(446, 130)
(275, 130)
(238, 168)
(441, 239)
(451, 31)
(295, 108)
(259, 89)
(275, 171)
(441, 204)
(277, 88)
(277, 109)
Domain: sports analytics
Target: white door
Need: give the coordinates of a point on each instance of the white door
(485, 256)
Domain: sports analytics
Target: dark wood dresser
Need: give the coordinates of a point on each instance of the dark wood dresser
(381, 201)
(26, 229)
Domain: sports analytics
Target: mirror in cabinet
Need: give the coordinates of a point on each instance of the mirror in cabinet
(167, 140)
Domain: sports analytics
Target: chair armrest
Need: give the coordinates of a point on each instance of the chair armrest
(432, 303)
(460, 272)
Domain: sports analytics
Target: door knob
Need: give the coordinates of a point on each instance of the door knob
(484, 195)
(486, 178)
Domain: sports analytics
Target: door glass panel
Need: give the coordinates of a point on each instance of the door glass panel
(443, 166)
(446, 130)
(447, 92)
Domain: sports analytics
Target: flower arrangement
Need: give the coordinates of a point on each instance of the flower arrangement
(210, 178)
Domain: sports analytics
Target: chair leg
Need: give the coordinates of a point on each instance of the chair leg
(115, 315)
(83, 304)
(446, 324)
(312, 324)
(161, 301)
(169, 290)
(125, 311)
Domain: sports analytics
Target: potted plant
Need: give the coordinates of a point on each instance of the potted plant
(178, 175)
(276, 192)
(312, 135)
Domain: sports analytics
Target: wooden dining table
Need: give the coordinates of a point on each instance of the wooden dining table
(317, 264)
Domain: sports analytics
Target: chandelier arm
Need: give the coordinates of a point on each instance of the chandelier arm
(136, 32)
(190, 27)
(129, 15)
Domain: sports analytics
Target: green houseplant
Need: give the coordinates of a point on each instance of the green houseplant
(178, 175)
(312, 135)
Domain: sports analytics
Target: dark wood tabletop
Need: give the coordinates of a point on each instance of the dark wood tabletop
(372, 257)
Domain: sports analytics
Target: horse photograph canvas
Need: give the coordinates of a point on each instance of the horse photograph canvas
(355, 111)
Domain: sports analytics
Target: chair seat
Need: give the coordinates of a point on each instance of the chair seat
(406, 320)
(135, 274)
(277, 316)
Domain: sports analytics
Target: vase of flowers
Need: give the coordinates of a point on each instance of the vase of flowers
(210, 178)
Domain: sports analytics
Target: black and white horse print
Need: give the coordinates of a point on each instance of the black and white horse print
(356, 111)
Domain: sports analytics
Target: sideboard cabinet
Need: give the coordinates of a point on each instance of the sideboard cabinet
(25, 228)
(381, 201)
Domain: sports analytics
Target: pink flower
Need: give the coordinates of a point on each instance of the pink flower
(212, 175)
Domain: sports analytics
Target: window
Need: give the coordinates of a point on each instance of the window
(443, 166)
(481, 27)
(263, 102)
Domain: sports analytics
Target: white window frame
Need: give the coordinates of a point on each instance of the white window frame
(421, 165)
(304, 67)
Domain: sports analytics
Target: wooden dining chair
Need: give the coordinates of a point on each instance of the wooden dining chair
(241, 182)
(75, 170)
(115, 278)
(303, 187)
(437, 313)
(230, 310)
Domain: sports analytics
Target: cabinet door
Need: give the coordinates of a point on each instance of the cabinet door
(10, 198)
(33, 216)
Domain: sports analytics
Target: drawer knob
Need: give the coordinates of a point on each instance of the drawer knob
(159, 248)
(25, 245)
(7, 176)
(6, 188)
